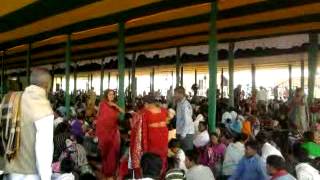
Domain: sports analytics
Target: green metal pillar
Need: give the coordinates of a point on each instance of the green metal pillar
(312, 64)
(152, 80)
(178, 64)
(91, 80)
(75, 76)
(253, 77)
(290, 80)
(134, 82)
(231, 73)
(121, 64)
(196, 77)
(52, 77)
(221, 83)
(213, 59)
(101, 78)
(181, 81)
(2, 73)
(28, 63)
(68, 63)
(302, 74)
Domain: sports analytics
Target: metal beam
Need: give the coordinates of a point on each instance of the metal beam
(121, 64)
(178, 64)
(312, 64)
(213, 59)
(28, 63)
(231, 73)
(68, 63)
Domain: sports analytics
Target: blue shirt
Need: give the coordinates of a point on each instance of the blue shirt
(250, 169)
(184, 119)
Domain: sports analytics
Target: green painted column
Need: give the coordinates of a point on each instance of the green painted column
(181, 81)
(253, 77)
(91, 79)
(134, 82)
(213, 59)
(121, 64)
(221, 83)
(2, 73)
(152, 79)
(101, 77)
(75, 76)
(312, 64)
(290, 80)
(231, 73)
(109, 77)
(178, 66)
(196, 77)
(68, 63)
(52, 78)
(28, 63)
(302, 74)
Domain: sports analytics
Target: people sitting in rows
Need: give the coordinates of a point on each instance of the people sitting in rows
(197, 171)
(276, 168)
(251, 166)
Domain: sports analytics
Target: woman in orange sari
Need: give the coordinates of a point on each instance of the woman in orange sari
(108, 134)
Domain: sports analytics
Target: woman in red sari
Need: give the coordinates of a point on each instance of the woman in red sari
(108, 134)
(154, 130)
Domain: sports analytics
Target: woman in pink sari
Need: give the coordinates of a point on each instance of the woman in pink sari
(108, 134)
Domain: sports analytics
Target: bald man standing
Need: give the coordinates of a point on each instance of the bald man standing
(34, 157)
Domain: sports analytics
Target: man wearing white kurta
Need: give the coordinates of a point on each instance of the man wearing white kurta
(34, 157)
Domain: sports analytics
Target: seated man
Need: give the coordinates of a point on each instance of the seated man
(196, 171)
(203, 138)
(310, 146)
(276, 167)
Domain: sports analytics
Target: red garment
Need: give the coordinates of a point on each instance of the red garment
(279, 174)
(108, 134)
(155, 139)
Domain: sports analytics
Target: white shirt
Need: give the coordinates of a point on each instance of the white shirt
(44, 151)
(226, 116)
(66, 176)
(232, 156)
(199, 118)
(180, 160)
(201, 139)
(200, 172)
(267, 150)
(307, 172)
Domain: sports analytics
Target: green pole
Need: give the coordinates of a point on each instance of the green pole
(101, 78)
(213, 59)
(302, 74)
(68, 62)
(52, 77)
(153, 74)
(91, 79)
(75, 76)
(150, 82)
(134, 83)
(195, 76)
(221, 83)
(312, 64)
(290, 80)
(253, 77)
(2, 73)
(121, 64)
(178, 64)
(181, 81)
(231, 73)
(28, 63)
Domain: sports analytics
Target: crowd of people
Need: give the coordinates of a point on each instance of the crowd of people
(156, 137)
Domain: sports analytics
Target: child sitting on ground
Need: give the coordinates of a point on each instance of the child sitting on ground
(177, 154)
